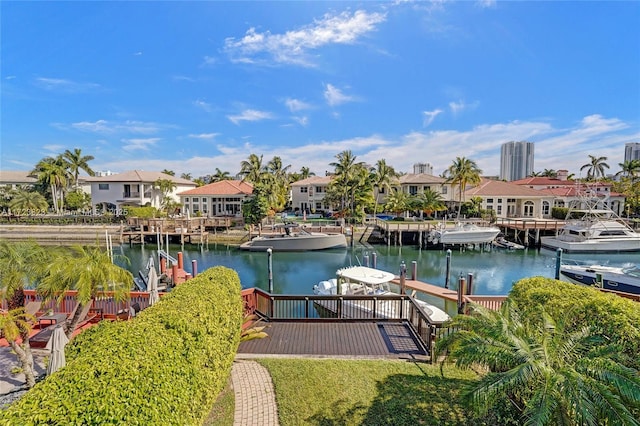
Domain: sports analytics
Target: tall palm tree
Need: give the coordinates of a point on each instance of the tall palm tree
(28, 201)
(186, 176)
(629, 169)
(548, 374)
(463, 172)
(383, 176)
(305, 173)
(76, 161)
(219, 176)
(428, 201)
(53, 173)
(90, 271)
(345, 180)
(550, 173)
(168, 172)
(252, 169)
(595, 167)
(279, 183)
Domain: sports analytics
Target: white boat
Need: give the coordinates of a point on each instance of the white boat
(596, 231)
(623, 279)
(365, 281)
(294, 238)
(467, 233)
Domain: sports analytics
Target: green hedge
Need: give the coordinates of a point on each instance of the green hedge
(165, 367)
(611, 316)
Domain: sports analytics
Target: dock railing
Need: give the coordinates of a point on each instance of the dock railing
(315, 308)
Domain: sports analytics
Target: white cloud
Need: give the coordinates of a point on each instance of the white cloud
(63, 85)
(203, 105)
(250, 115)
(183, 78)
(486, 4)
(429, 116)
(295, 105)
(204, 135)
(106, 127)
(334, 96)
(208, 61)
(54, 148)
(139, 144)
(137, 54)
(303, 121)
(293, 46)
(10, 77)
(459, 106)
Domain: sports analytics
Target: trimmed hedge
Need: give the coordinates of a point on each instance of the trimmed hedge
(611, 316)
(166, 366)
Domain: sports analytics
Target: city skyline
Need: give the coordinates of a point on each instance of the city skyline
(195, 86)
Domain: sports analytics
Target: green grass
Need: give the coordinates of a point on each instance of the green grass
(221, 413)
(367, 392)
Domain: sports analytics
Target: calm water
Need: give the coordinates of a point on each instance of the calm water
(295, 273)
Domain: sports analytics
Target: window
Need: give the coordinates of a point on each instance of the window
(444, 189)
(319, 189)
(426, 188)
(195, 199)
(499, 200)
(545, 208)
(499, 209)
(303, 189)
(186, 199)
(103, 186)
(413, 189)
(489, 200)
(318, 206)
(528, 209)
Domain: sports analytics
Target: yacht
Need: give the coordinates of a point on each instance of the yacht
(623, 279)
(295, 238)
(467, 233)
(365, 281)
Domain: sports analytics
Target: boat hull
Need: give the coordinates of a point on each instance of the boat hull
(306, 242)
(593, 245)
(611, 280)
(477, 236)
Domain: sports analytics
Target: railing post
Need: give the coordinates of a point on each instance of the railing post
(461, 286)
(414, 270)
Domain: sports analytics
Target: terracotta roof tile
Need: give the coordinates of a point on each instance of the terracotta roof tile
(490, 187)
(139, 176)
(224, 187)
(313, 180)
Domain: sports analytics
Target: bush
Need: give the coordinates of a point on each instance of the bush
(143, 212)
(559, 212)
(166, 366)
(611, 316)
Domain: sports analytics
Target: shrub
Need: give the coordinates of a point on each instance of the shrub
(166, 366)
(559, 212)
(611, 316)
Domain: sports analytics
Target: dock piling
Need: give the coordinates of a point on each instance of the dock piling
(446, 277)
(558, 262)
(270, 268)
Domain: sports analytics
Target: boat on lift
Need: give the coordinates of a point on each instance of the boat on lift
(295, 238)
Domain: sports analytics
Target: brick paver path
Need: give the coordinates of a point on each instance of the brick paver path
(255, 397)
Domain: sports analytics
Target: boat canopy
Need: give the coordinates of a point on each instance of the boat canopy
(365, 275)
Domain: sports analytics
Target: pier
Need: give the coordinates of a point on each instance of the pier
(177, 230)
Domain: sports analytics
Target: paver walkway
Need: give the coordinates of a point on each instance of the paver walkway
(255, 396)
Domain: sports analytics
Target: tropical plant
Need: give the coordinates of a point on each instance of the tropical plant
(186, 176)
(550, 173)
(547, 374)
(166, 187)
(463, 172)
(630, 169)
(256, 208)
(428, 201)
(219, 176)
(595, 167)
(383, 177)
(88, 270)
(252, 328)
(347, 180)
(75, 162)
(168, 172)
(78, 200)
(398, 202)
(279, 181)
(21, 264)
(28, 201)
(252, 169)
(53, 173)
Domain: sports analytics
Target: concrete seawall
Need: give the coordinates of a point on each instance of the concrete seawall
(61, 234)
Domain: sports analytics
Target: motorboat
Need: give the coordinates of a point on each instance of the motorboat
(467, 233)
(365, 281)
(596, 231)
(502, 242)
(295, 238)
(623, 279)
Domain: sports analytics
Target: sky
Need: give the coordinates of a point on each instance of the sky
(195, 86)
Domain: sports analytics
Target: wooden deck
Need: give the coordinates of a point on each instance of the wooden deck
(333, 339)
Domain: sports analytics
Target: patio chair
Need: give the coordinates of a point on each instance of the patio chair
(33, 307)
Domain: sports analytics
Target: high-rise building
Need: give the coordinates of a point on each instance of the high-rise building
(516, 160)
(425, 168)
(632, 151)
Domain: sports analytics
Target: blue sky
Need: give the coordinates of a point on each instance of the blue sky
(195, 86)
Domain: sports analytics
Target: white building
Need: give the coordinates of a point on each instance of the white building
(516, 160)
(422, 168)
(132, 188)
(308, 194)
(632, 151)
(222, 198)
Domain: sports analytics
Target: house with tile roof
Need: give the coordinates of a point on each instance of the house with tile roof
(507, 199)
(308, 194)
(416, 183)
(16, 179)
(222, 198)
(135, 188)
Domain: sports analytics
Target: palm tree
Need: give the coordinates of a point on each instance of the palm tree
(53, 173)
(345, 180)
(461, 173)
(27, 201)
(550, 173)
(428, 201)
(165, 186)
(21, 263)
(383, 176)
(279, 183)
(305, 173)
(89, 271)
(546, 373)
(168, 172)
(629, 169)
(75, 162)
(398, 202)
(252, 169)
(219, 176)
(595, 167)
(186, 176)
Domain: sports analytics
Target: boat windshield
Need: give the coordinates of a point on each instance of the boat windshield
(634, 271)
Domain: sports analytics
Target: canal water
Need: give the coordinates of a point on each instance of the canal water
(494, 271)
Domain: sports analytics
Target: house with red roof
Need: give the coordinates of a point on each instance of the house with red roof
(509, 200)
(222, 198)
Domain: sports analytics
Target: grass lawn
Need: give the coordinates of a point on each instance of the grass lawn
(367, 392)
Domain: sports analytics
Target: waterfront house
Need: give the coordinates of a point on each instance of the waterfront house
(222, 198)
(113, 193)
(509, 200)
(308, 194)
(416, 183)
(13, 179)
